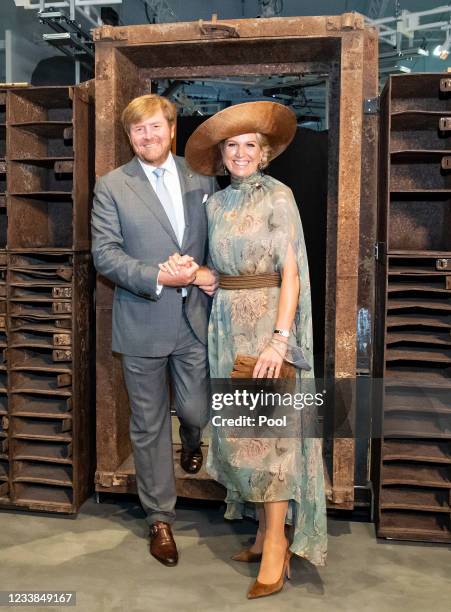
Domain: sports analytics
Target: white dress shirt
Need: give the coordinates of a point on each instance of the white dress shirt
(172, 183)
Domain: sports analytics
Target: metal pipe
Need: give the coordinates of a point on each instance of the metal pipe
(43, 5)
(434, 11)
(437, 25)
(402, 54)
(96, 2)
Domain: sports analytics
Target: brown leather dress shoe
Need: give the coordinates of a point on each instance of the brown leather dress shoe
(162, 544)
(191, 460)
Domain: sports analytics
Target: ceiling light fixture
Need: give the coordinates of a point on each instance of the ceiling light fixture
(442, 51)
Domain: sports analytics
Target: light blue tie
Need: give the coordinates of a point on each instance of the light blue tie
(166, 200)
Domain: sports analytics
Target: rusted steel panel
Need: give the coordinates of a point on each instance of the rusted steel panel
(219, 53)
(368, 209)
(113, 93)
(123, 480)
(332, 219)
(113, 443)
(83, 398)
(83, 123)
(197, 71)
(246, 28)
(347, 252)
(104, 293)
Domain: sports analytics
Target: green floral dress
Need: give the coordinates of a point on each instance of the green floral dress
(251, 225)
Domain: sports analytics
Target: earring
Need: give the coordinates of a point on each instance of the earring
(224, 170)
(260, 167)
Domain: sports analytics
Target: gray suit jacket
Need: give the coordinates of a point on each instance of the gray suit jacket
(131, 235)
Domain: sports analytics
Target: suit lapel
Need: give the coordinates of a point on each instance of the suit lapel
(139, 183)
(186, 184)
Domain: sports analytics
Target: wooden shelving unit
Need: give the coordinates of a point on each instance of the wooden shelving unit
(46, 307)
(411, 463)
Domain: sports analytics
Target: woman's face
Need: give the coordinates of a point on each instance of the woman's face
(241, 155)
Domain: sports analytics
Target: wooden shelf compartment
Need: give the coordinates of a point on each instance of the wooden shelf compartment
(416, 474)
(42, 428)
(414, 498)
(412, 525)
(50, 451)
(41, 496)
(42, 472)
(35, 405)
(435, 451)
(415, 424)
(435, 402)
(420, 222)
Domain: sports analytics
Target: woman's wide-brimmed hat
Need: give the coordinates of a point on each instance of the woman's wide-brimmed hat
(276, 121)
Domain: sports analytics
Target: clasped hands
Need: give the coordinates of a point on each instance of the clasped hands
(184, 271)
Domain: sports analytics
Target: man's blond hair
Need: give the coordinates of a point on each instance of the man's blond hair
(145, 106)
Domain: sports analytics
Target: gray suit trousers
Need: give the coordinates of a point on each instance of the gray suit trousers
(147, 379)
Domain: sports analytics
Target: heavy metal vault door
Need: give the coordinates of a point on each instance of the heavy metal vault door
(127, 59)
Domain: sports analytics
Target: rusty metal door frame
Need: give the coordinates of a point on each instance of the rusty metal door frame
(340, 45)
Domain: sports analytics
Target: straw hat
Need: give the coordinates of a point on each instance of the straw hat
(276, 121)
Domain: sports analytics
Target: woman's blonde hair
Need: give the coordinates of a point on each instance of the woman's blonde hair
(262, 141)
(146, 106)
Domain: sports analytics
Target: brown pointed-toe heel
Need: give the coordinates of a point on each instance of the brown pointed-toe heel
(258, 589)
(247, 556)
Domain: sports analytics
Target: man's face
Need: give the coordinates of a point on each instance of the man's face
(151, 138)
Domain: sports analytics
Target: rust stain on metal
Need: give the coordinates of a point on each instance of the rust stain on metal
(62, 339)
(61, 307)
(62, 292)
(216, 29)
(109, 33)
(62, 355)
(64, 167)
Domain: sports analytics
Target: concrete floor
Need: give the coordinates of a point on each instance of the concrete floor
(103, 555)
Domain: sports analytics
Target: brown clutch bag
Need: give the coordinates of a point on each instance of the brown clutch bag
(244, 365)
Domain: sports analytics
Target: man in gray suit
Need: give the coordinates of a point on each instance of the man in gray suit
(143, 212)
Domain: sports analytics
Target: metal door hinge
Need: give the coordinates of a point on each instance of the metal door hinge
(346, 21)
(378, 250)
(109, 33)
(217, 29)
(371, 106)
(443, 264)
(444, 124)
(445, 85)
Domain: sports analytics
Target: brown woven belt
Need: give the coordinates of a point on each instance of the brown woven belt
(250, 281)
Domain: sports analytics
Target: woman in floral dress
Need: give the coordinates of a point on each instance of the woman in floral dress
(255, 229)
